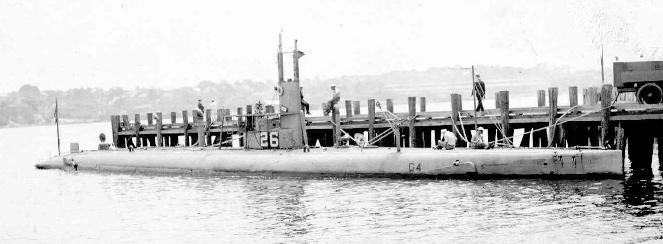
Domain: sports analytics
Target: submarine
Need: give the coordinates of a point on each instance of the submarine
(277, 144)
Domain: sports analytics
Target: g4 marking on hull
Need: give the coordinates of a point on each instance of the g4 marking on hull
(414, 167)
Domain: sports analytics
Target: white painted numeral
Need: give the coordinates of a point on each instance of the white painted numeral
(274, 139)
(264, 139)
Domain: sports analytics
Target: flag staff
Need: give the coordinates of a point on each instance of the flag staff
(57, 123)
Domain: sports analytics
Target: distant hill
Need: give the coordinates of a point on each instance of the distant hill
(29, 105)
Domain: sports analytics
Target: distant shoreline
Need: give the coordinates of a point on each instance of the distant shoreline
(62, 122)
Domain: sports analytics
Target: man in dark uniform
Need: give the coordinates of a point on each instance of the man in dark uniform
(305, 106)
(479, 91)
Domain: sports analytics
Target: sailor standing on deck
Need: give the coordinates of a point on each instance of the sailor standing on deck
(479, 91)
(447, 141)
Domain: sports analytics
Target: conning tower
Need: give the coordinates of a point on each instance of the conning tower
(292, 133)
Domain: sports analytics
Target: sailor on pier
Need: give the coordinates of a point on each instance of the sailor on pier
(479, 91)
(200, 111)
(335, 98)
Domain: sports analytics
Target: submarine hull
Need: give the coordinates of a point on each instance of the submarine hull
(349, 161)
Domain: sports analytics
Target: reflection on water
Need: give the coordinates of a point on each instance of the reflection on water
(66, 207)
(643, 196)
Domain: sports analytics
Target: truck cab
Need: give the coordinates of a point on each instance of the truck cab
(645, 78)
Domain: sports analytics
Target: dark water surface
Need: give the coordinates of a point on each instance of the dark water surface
(51, 206)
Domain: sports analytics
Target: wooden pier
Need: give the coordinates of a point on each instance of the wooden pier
(598, 122)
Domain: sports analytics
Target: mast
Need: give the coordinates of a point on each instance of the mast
(296, 54)
(279, 58)
(602, 73)
(57, 124)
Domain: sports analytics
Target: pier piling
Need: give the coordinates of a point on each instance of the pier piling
(412, 113)
(552, 113)
(125, 119)
(159, 128)
(390, 105)
(541, 98)
(504, 111)
(456, 106)
(371, 118)
(573, 96)
(590, 96)
(606, 99)
(185, 125)
(208, 123)
(422, 104)
(115, 128)
(137, 130)
(356, 106)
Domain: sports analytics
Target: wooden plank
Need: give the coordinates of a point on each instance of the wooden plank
(185, 121)
(497, 99)
(573, 96)
(356, 106)
(390, 105)
(159, 128)
(606, 99)
(552, 104)
(504, 108)
(348, 108)
(412, 108)
(636, 106)
(422, 104)
(446, 114)
(520, 111)
(371, 118)
(541, 98)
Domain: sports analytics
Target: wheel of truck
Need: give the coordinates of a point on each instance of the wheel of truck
(649, 93)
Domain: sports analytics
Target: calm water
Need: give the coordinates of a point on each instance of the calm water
(74, 207)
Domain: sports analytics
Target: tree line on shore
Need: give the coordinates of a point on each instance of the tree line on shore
(29, 105)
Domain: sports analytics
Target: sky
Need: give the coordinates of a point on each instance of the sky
(57, 44)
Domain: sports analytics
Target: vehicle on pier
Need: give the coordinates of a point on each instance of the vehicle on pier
(645, 78)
